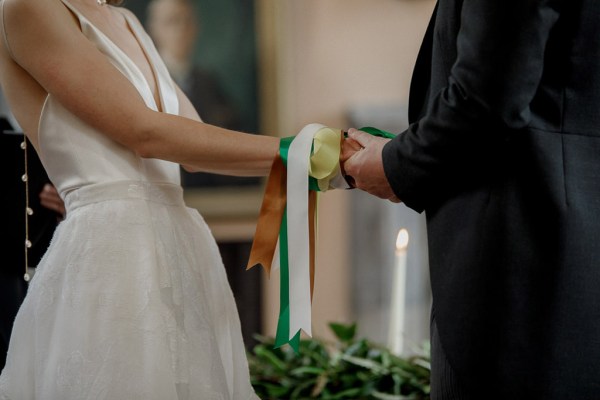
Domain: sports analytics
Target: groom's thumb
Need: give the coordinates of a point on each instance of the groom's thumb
(361, 137)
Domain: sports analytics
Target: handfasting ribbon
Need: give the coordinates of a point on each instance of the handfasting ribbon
(298, 237)
(377, 132)
(269, 221)
(315, 153)
(325, 159)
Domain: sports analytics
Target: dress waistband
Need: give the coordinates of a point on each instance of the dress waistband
(162, 193)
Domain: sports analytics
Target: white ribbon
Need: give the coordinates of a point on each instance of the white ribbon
(298, 237)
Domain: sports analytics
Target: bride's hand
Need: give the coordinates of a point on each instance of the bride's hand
(349, 147)
(50, 199)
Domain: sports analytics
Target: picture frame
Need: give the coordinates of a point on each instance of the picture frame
(222, 62)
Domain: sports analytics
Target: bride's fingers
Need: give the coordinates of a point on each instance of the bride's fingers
(351, 143)
(362, 138)
(50, 199)
(349, 148)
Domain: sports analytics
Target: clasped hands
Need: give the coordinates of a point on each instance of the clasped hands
(362, 163)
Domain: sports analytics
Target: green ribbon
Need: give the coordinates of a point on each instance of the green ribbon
(283, 323)
(284, 148)
(377, 132)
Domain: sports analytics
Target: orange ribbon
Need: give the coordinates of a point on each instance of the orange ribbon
(269, 221)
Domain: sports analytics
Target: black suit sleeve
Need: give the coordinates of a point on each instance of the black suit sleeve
(499, 64)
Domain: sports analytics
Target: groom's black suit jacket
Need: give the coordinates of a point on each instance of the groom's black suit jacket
(503, 154)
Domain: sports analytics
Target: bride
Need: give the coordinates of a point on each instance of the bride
(131, 300)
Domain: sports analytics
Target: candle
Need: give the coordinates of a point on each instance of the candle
(397, 309)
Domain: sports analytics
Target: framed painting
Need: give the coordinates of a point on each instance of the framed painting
(209, 47)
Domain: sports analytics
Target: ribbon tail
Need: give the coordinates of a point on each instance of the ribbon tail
(269, 221)
(312, 229)
(299, 237)
(282, 336)
(283, 323)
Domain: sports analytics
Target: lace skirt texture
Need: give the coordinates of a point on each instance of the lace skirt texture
(131, 301)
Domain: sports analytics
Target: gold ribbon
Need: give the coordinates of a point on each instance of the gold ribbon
(269, 220)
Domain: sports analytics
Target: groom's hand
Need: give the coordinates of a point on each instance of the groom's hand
(365, 166)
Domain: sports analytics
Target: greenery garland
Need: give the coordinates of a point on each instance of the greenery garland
(348, 369)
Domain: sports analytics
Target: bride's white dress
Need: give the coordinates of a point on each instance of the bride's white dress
(131, 301)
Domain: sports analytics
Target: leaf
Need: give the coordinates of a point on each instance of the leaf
(385, 396)
(315, 355)
(275, 391)
(346, 394)
(321, 383)
(386, 359)
(357, 349)
(298, 391)
(423, 364)
(350, 381)
(272, 358)
(307, 371)
(364, 376)
(344, 333)
(362, 362)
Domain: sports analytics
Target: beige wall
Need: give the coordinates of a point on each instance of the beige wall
(320, 57)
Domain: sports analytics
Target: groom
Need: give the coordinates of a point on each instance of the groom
(503, 155)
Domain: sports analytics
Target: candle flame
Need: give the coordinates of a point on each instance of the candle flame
(402, 240)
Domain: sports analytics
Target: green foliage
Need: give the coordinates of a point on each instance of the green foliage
(349, 369)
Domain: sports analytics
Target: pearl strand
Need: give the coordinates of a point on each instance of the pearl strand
(28, 210)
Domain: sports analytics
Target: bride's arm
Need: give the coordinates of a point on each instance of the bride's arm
(45, 40)
(187, 110)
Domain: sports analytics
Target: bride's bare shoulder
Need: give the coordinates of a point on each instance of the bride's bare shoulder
(17, 7)
(36, 14)
(29, 24)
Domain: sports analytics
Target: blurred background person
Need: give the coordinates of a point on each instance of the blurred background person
(175, 27)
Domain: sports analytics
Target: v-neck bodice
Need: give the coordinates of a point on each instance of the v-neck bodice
(76, 154)
(125, 64)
